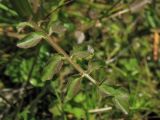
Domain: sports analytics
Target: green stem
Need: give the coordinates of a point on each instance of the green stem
(52, 42)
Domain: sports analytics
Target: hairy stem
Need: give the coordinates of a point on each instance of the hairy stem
(52, 42)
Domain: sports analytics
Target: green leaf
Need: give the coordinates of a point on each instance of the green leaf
(82, 55)
(36, 82)
(131, 64)
(56, 109)
(22, 7)
(81, 97)
(78, 112)
(121, 100)
(24, 114)
(107, 89)
(67, 107)
(53, 66)
(120, 97)
(12, 12)
(73, 88)
(56, 27)
(30, 40)
(54, 16)
(150, 19)
(22, 25)
(69, 26)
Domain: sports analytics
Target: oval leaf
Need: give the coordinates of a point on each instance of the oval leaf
(73, 88)
(30, 40)
(54, 64)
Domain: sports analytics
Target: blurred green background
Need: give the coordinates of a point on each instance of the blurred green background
(113, 40)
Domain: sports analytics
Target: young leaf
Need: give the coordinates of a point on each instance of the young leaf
(22, 25)
(54, 64)
(30, 40)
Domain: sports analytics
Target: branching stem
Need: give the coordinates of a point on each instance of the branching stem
(52, 42)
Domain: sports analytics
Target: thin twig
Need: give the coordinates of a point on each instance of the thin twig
(6, 100)
(12, 34)
(100, 110)
(66, 3)
(132, 8)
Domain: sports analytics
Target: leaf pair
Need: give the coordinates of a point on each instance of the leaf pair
(30, 40)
